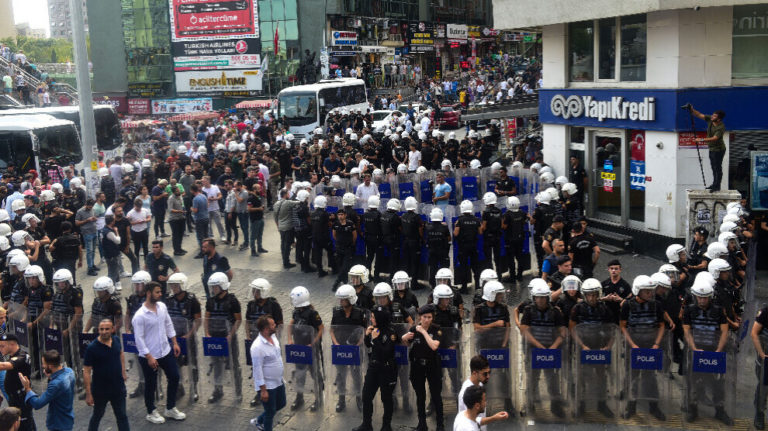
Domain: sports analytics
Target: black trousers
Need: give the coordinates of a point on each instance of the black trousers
(515, 262)
(317, 253)
(230, 225)
(303, 247)
(539, 254)
(492, 249)
(374, 251)
(159, 216)
(344, 257)
(188, 213)
(716, 161)
(411, 258)
(393, 261)
(469, 262)
(286, 239)
(177, 233)
(381, 379)
(430, 372)
(140, 241)
(437, 259)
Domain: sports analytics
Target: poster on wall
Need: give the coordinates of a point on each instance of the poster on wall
(139, 106)
(182, 106)
(687, 140)
(759, 183)
(637, 160)
(213, 19)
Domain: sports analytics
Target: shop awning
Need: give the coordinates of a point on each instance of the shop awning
(194, 116)
(253, 104)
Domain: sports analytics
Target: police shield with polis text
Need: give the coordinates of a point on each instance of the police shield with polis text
(451, 349)
(186, 316)
(303, 352)
(346, 332)
(219, 342)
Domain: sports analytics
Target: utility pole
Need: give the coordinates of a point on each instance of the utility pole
(87, 122)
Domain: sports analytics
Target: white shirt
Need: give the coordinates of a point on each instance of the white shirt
(152, 331)
(212, 192)
(414, 157)
(467, 383)
(425, 122)
(140, 215)
(267, 363)
(463, 423)
(364, 192)
(264, 170)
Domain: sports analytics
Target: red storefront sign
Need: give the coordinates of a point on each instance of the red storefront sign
(213, 19)
(687, 140)
(138, 106)
(511, 129)
(120, 103)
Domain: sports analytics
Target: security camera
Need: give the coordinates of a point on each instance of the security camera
(660, 145)
(696, 8)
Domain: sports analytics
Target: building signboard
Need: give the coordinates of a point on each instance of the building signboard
(146, 90)
(182, 106)
(213, 19)
(343, 38)
(421, 37)
(139, 107)
(233, 82)
(456, 32)
(216, 54)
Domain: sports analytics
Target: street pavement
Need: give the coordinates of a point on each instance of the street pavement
(231, 415)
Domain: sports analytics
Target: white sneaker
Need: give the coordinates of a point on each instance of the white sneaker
(118, 287)
(125, 274)
(223, 238)
(175, 414)
(155, 417)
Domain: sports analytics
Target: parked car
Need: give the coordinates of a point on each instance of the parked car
(450, 116)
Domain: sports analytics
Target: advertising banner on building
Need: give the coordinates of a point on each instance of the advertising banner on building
(139, 106)
(421, 37)
(456, 32)
(145, 90)
(343, 38)
(213, 19)
(226, 83)
(687, 140)
(117, 101)
(216, 54)
(637, 160)
(759, 178)
(182, 106)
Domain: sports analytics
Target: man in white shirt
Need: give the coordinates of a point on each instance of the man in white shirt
(425, 123)
(152, 328)
(366, 190)
(480, 373)
(140, 218)
(466, 420)
(414, 158)
(267, 372)
(213, 194)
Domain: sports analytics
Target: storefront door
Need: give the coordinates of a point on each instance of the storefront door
(606, 153)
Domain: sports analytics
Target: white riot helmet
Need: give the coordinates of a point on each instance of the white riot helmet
(221, 147)
(436, 214)
(56, 187)
(104, 284)
(321, 202)
(382, 289)
(592, 285)
(146, 163)
(673, 252)
(394, 137)
(444, 276)
(441, 291)
(373, 202)
(393, 204)
(402, 169)
(377, 174)
(661, 279)
(127, 168)
(517, 165)
(302, 196)
(354, 171)
(561, 180)
(543, 198)
(411, 203)
(358, 275)
(642, 282)
(34, 271)
(348, 199)
(705, 277)
(261, 285)
(571, 282)
(300, 297)
(177, 279)
(451, 135)
(421, 170)
(4, 243)
(513, 204)
(547, 178)
(47, 195)
(345, 291)
(5, 230)
(570, 188)
(445, 164)
(728, 227)
(487, 275)
(13, 253)
(218, 279)
(545, 169)
(61, 276)
(466, 207)
(475, 164)
(491, 289)
(732, 205)
(702, 290)
(670, 271)
(489, 198)
(715, 250)
(103, 172)
(495, 166)
(349, 129)
(539, 287)
(27, 218)
(20, 237)
(336, 181)
(140, 277)
(20, 262)
(731, 218)
(18, 205)
(75, 183)
(353, 137)
(4, 216)
(553, 193)
(401, 280)
(717, 266)
(725, 237)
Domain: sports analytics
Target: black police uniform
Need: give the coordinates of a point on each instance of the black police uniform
(321, 240)
(542, 216)
(364, 297)
(506, 187)
(544, 326)
(303, 236)
(621, 288)
(391, 229)
(65, 303)
(22, 363)
(372, 233)
(582, 246)
(492, 238)
(696, 256)
(345, 248)
(66, 252)
(36, 299)
(348, 330)
(222, 312)
(306, 325)
(405, 305)
(217, 263)
(412, 241)
(566, 303)
(484, 314)
(157, 266)
(514, 239)
(469, 260)
(449, 320)
(592, 324)
(438, 242)
(382, 372)
(672, 304)
(109, 309)
(426, 366)
(182, 309)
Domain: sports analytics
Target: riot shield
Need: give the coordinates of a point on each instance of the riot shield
(135, 383)
(303, 357)
(710, 375)
(546, 370)
(188, 360)
(647, 369)
(595, 360)
(18, 319)
(221, 360)
(451, 351)
(346, 368)
(499, 346)
(403, 394)
(54, 334)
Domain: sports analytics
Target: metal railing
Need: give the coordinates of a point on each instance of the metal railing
(33, 81)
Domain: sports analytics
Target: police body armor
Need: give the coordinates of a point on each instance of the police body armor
(411, 222)
(67, 247)
(436, 238)
(468, 228)
(493, 223)
(389, 224)
(372, 225)
(516, 227)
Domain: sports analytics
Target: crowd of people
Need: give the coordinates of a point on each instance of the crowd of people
(16, 81)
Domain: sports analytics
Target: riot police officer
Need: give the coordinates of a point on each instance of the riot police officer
(380, 340)
(345, 235)
(513, 223)
(466, 231)
(39, 303)
(133, 303)
(413, 232)
(321, 239)
(542, 219)
(726, 295)
(372, 236)
(645, 317)
(358, 278)
(706, 328)
(18, 263)
(404, 302)
(444, 276)
(345, 320)
(570, 295)
(543, 326)
(185, 313)
(305, 317)
(677, 256)
(449, 318)
(105, 305)
(222, 319)
(424, 339)
(303, 232)
(67, 314)
(261, 304)
(17, 362)
(391, 231)
(438, 239)
(592, 313)
(491, 230)
(696, 252)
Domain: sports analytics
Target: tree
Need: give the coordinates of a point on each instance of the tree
(54, 57)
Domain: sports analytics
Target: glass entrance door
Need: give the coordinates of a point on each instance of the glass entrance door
(608, 175)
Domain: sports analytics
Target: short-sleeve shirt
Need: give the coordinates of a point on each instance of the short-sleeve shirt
(581, 246)
(715, 130)
(158, 204)
(441, 190)
(88, 228)
(254, 201)
(212, 191)
(135, 216)
(107, 370)
(419, 347)
(331, 165)
(201, 203)
(159, 266)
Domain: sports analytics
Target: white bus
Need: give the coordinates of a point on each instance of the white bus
(29, 141)
(305, 107)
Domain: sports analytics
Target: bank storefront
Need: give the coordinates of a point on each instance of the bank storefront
(637, 147)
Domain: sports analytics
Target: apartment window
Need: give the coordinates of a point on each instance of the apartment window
(750, 37)
(615, 47)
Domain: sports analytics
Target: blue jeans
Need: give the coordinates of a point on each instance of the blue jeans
(171, 370)
(91, 244)
(243, 218)
(275, 403)
(118, 407)
(257, 231)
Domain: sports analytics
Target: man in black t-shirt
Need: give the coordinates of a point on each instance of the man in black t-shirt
(18, 363)
(345, 235)
(158, 263)
(583, 250)
(615, 288)
(256, 214)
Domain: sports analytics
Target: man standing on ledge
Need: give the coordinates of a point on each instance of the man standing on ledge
(715, 143)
